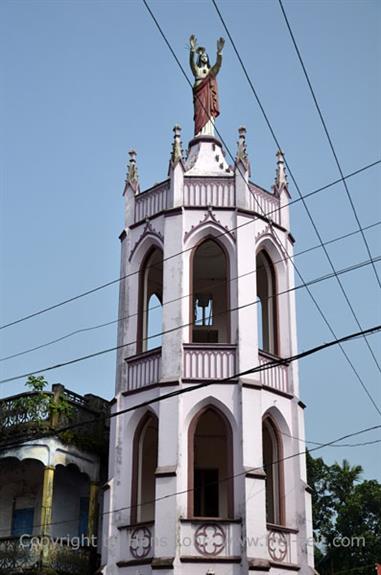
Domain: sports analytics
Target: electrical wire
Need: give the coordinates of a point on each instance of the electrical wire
(329, 138)
(189, 324)
(228, 478)
(265, 367)
(158, 306)
(126, 276)
(318, 307)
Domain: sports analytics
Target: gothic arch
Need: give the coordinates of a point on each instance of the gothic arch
(273, 455)
(143, 468)
(267, 243)
(209, 225)
(150, 284)
(267, 303)
(210, 283)
(148, 238)
(209, 466)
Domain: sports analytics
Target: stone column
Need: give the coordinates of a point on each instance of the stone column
(46, 512)
(47, 500)
(92, 528)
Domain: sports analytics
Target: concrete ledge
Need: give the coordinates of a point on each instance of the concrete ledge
(259, 564)
(215, 559)
(162, 563)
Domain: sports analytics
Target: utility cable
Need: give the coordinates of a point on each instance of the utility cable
(165, 303)
(126, 276)
(265, 367)
(228, 478)
(189, 324)
(329, 138)
(318, 307)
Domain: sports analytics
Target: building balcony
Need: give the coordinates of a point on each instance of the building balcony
(208, 361)
(37, 555)
(26, 415)
(137, 541)
(277, 377)
(282, 545)
(204, 539)
(143, 369)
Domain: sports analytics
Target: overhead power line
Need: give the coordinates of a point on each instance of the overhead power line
(126, 276)
(230, 477)
(307, 211)
(316, 303)
(267, 366)
(165, 303)
(189, 324)
(332, 443)
(329, 138)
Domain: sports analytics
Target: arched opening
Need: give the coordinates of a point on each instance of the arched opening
(272, 455)
(267, 304)
(151, 301)
(70, 514)
(20, 496)
(210, 294)
(210, 463)
(144, 467)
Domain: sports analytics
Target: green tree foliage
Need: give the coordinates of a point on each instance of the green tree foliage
(347, 518)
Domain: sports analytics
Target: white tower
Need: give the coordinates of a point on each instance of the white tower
(207, 482)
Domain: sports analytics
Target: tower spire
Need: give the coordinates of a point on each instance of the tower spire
(241, 155)
(177, 152)
(281, 176)
(132, 172)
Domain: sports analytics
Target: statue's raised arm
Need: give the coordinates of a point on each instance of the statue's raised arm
(205, 95)
(193, 46)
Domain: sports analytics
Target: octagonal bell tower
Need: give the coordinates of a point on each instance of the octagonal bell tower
(205, 481)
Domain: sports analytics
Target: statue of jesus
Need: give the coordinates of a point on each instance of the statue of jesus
(205, 94)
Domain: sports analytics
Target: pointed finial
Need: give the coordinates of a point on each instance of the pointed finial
(241, 155)
(177, 152)
(281, 176)
(132, 173)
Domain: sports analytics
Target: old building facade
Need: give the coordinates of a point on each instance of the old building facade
(49, 481)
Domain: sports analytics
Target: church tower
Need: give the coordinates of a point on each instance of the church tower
(208, 481)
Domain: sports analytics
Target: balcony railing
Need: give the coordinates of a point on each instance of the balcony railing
(27, 414)
(206, 361)
(144, 369)
(264, 203)
(275, 377)
(209, 192)
(282, 544)
(210, 539)
(151, 202)
(22, 555)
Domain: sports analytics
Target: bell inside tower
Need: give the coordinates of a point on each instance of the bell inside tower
(210, 294)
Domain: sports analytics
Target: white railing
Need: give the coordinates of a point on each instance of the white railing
(209, 192)
(282, 544)
(151, 202)
(210, 539)
(144, 369)
(137, 543)
(275, 377)
(264, 204)
(203, 361)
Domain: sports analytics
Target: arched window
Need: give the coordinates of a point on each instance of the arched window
(151, 294)
(210, 294)
(143, 470)
(267, 304)
(210, 463)
(272, 454)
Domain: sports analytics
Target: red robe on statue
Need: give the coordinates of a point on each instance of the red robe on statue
(205, 99)
(378, 568)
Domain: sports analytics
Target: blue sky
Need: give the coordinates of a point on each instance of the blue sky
(84, 81)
